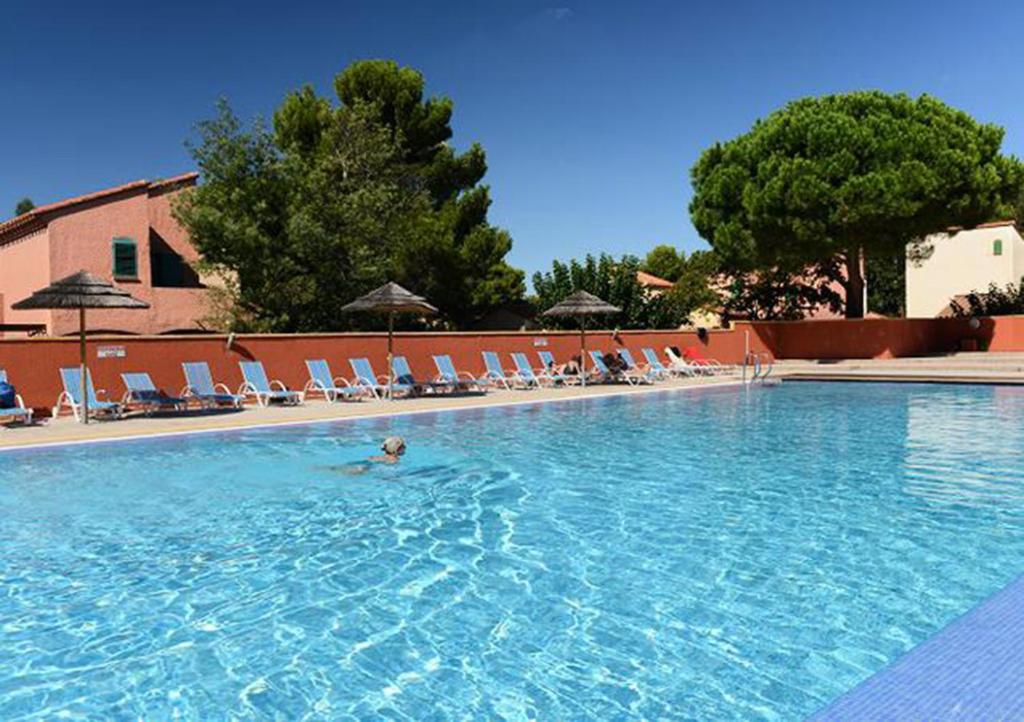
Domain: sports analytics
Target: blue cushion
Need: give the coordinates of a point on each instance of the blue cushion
(8, 396)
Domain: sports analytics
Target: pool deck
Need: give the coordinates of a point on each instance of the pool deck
(65, 430)
(971, 670)
(962, 368)
(991, 368)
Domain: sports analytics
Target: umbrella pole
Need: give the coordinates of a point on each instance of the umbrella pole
(391, 368)
(83, 370)
(583, 352)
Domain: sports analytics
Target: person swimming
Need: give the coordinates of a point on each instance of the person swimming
(393, 448)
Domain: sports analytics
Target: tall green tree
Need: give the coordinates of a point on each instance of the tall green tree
(613, 280)
(887, 284)
(780, 295)
(697, 288)
(339, 197)
(665, 262)
(695, 279)
(24, 206)
(847, 177)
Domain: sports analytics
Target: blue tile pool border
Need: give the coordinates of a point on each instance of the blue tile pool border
(972, 669)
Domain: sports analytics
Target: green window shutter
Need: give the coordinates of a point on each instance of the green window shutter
(126, 262)
(997, 247)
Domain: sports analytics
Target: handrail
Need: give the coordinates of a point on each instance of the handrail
(760, 371)
(771, 367)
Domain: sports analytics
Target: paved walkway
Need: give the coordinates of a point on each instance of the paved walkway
(64, 430)
(955, 368)
(992, 368)
(971, 670)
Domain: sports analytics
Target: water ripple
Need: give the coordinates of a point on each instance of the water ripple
(711, 555)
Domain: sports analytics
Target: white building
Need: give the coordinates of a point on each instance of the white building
(962, 262)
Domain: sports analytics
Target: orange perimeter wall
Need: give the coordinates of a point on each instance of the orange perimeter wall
(886, 337)
(32, 364)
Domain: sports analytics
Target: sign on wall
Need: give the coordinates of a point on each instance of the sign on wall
(110, 352)
(540, 342)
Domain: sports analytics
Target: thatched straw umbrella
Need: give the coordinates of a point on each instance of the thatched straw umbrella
(391, 299)
(582, 305)
(80, 290)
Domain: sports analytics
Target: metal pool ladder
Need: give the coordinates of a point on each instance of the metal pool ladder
(761, 365)
(757, 367)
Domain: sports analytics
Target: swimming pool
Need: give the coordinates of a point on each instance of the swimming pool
(708, 554)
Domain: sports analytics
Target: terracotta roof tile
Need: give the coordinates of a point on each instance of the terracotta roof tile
(997, 224)
(38, 215)
(652, 281)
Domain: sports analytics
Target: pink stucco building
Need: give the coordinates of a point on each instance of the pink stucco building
(126, 234)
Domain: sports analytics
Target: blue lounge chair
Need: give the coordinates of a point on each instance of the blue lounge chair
(654, 363)
(462, 380)
(547, 360)
(71, 396)
(266, 391)
(18, 412)
(321, 381)
(540, 377)
(608, 375)
(600, 368)
(199, 386)
(525, 372)
(376, 385)
(404, 375)
(496, 376)
(645, 372)
(142, 392)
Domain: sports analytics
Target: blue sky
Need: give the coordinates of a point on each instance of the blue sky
(591, 112)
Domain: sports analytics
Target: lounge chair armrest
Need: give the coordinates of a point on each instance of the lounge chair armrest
(19, 401)
(383, 379)
(222, 389)
(341, 382)
(245, 388)
(280, 385)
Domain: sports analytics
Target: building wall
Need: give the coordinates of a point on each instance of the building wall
(24, 268)
(83, 240)
(960, 263)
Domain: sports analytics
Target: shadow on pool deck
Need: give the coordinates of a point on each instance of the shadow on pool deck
(973, 669)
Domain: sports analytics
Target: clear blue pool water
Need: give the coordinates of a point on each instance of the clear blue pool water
(700, 555)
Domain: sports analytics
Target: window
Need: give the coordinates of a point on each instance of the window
(997, 247)
(168, 269)
(126, 263)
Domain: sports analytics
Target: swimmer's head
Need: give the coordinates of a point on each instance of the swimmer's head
(393, 446)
